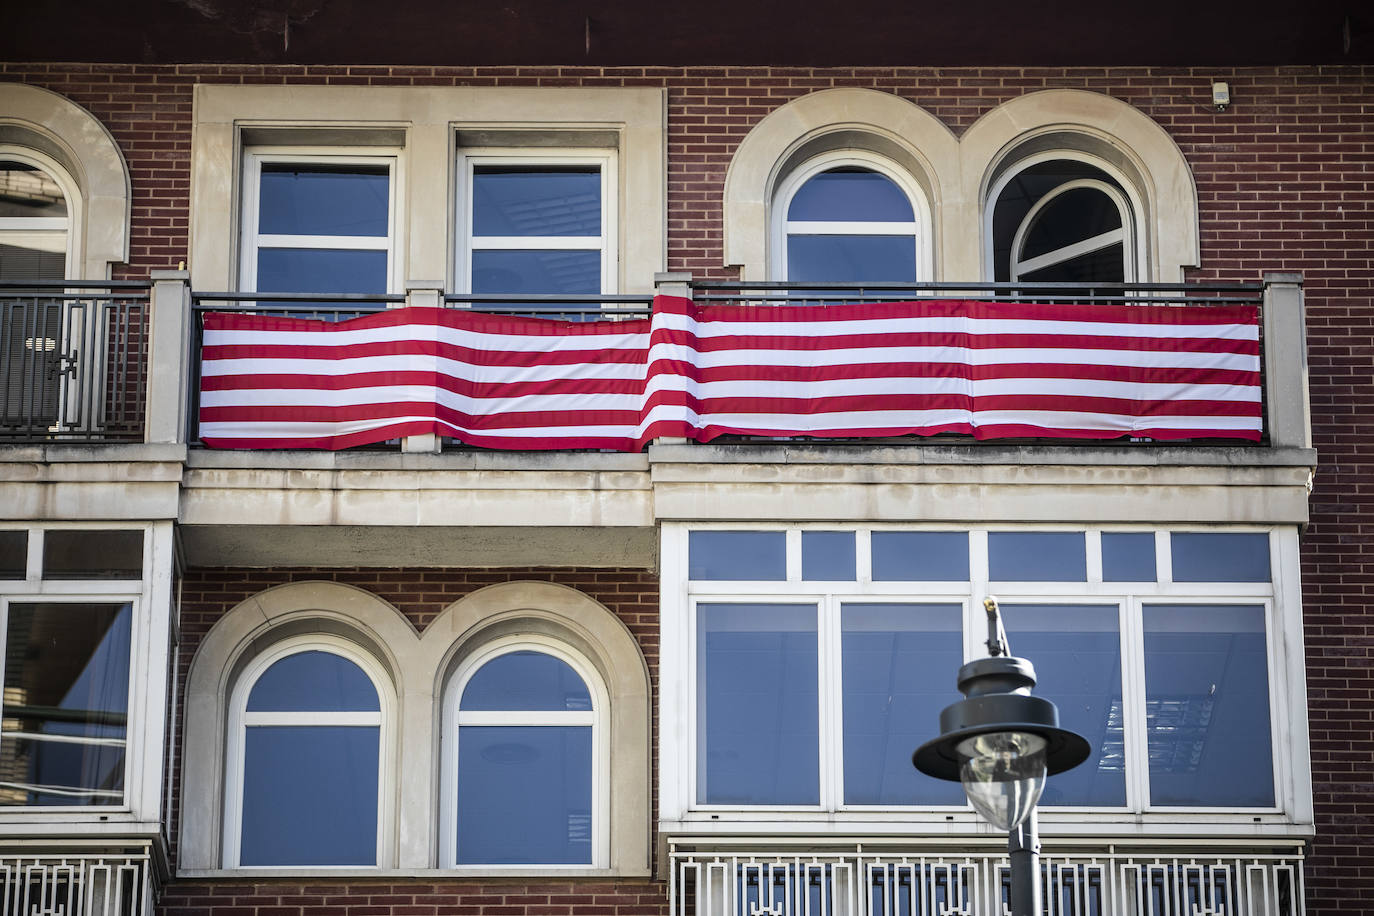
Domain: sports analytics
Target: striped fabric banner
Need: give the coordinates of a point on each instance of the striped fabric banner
(988, 369)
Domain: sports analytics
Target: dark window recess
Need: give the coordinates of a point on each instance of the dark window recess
(14, 551)
(85, 554)
(1068, 217)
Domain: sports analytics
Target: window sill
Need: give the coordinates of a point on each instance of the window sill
(351, 872)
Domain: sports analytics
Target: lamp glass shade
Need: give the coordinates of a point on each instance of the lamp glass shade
(1003, 774)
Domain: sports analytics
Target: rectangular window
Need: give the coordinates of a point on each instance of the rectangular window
(66, 703)
(537, 226)
(318, 223)
(822, 657)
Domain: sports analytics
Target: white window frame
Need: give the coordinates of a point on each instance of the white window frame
(240, 719)
(251, 241)
(1135, 257)
(149, 642)
(1280, 598)
(454, 718)
(54, 233)
(607, 242)
(919, 228)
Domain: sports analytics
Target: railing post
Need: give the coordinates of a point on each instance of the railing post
(673, 283)
(1285, 361)
(169, 336)
(426, 295)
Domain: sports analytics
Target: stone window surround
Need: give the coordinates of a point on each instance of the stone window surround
(420, 666)
(958, 173)
(430, 125)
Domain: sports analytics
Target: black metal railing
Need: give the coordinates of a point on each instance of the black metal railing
(73, 361)
(777, 293)
(562, 308)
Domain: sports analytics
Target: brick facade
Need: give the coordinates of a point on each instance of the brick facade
(1284, 182)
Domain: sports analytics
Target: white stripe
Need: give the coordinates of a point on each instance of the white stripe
(454, 368)
(477, 340)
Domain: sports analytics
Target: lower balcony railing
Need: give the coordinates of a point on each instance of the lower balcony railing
(939, 882)
(76, 885)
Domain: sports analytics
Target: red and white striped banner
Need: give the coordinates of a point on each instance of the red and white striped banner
(988, 369)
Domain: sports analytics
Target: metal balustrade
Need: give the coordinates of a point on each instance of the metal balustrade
(73, 362)
(76, 885)
(940, 882)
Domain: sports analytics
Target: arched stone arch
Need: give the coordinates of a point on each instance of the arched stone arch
(57, 127)
(249, 628)
(827, 121)
(1115, 133)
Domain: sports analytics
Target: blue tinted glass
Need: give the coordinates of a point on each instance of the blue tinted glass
(737, 555)
(323, 200)
(58, 773)
(919, 556)
(898, 669)
(1037, 556)
(321, 270)
(1207, 706)
(758, 732)
(535, 271)
(526, 680)
(313, 682)
(1076, 651)
(850, 195)
(1209, 557)
(309, 795)
(509, 200)
(524, 795)
(828, 556)
(1128, 557)
(851, 258)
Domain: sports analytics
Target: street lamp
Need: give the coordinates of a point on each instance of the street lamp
(1002, 743)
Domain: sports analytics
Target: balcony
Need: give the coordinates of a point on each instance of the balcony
(92, 883)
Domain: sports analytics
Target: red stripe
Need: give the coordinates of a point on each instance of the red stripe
(424, 348)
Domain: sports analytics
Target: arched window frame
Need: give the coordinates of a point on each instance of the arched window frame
(453, 717)
(240, 719)
(71, 244)
(788, 186)
(1126, 198)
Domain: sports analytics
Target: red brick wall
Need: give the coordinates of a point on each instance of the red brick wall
(1284, 182)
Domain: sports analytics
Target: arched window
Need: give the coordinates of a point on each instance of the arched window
(307, 738)
(525, 759)
(34, 219)
(851, 218)
(1057, 219)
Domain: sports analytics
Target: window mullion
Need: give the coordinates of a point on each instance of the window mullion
(831, 708)
(1133, 706)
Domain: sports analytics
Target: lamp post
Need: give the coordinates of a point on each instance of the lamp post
(1002, 743)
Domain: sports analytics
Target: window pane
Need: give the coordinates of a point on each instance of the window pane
(28, 259)
(1022, 192)
(66, 676)
(737, 555)
(1207, 706)
(313, 682)
(828, 556)
(1217, 557)
(1069, 218)
(321, 270)
(537, 272)
(920, 556)
(758, 730)
(1106, 265)
(310, 795)
(313, 199)
(536, 200)
(26, 190)
(525, 680)
(899, 662)
(524, 795)
(1128, 557)
(14, 554)
(1037, 556)
(850, 194)
(851, 258)
(85, 554)
(1076, 651)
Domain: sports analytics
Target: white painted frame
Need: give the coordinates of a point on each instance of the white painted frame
(149, 640)
(1281, 597)
(467, 242)
(1124, 196)
(240, 720)
(918, 228)
(251, 241)
(454, 718)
